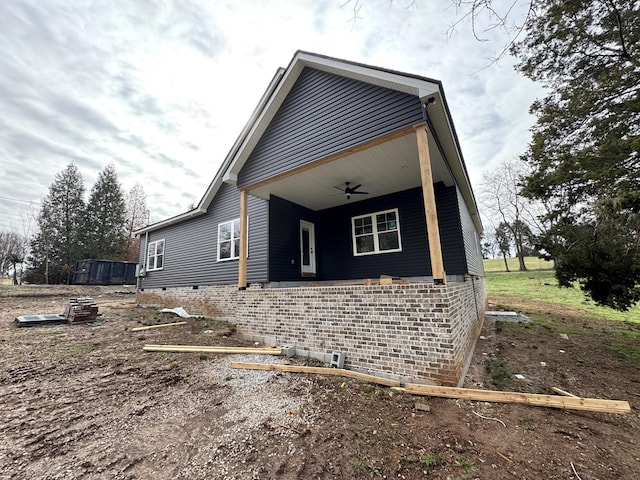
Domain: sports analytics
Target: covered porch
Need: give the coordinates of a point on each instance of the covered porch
(323, 229)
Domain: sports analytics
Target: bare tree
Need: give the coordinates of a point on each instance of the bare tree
(13, 248)
(137, 217)
(488, 15)
(501, 197)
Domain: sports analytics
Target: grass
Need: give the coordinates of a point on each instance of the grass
(540, 286)
(466, 464)
(498, 373)
(532, 263)
(630, 352)
(73, 350)
(428, 461)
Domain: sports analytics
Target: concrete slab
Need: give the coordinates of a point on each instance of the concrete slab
(506, 317)
(34, 320)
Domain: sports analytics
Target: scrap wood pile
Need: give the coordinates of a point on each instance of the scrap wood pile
(81, 310)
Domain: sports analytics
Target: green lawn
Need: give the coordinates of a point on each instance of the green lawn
(532, 263)
(541, 286)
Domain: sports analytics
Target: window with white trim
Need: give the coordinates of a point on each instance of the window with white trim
(376, 233)
(229, 240)
(155, 255)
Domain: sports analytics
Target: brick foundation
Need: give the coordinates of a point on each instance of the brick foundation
(419, 331)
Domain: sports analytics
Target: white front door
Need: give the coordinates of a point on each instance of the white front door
(307, 249)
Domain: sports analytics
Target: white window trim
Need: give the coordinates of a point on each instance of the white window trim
(155, 255)
(232, 240)
(376, 245)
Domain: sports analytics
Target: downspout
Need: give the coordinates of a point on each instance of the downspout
(425, 117)
(144, 259)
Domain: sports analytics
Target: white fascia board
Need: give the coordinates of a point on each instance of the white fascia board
(459, 169)
(171, 221)
(419, 87)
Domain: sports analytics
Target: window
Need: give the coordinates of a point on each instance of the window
(376, 233)
(155, 255)
(228, 240)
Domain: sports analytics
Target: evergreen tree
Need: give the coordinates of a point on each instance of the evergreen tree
(503, 240)
(105, 218)
(58, 244)
(585, 152)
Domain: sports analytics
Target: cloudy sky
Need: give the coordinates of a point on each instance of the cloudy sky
(162, 88)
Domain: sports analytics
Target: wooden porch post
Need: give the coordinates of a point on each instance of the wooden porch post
(428, 194)
(242, 264)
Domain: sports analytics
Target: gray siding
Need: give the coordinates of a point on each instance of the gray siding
(471, 239)
(325, 114)
(191, 246)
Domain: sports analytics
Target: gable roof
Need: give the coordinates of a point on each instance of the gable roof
(279, 88)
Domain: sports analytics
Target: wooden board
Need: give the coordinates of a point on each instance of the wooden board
(562, 392)
(552, 401)
(160, 325)
(211, 349)
(319, 370)
(389, 280)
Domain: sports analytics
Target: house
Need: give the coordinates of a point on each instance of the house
(345, 173)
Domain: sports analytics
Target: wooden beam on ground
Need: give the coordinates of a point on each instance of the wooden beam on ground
(211, 349)
(562, 392)
(429, 198)
(318, 370)
(242, 261)
(552, 401)
(160, 325)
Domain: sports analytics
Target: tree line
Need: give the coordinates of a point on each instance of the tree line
(68, 228)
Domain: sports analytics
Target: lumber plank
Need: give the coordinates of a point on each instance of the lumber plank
(211, 349)
(318, 370)
(552, 401)
(563, 392)
(160, 325)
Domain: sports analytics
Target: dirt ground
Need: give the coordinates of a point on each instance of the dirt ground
(80, 401)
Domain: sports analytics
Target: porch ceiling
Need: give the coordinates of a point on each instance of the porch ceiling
(390, 167)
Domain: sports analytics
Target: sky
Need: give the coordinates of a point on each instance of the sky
(162, 88)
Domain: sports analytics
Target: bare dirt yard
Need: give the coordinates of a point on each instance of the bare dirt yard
(85, 401)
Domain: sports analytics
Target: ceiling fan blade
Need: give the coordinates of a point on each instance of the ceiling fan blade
(359, 193)
(339, 188)
(353, 189)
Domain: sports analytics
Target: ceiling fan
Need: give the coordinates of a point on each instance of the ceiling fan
(348, 190)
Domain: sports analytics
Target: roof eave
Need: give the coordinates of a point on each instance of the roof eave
(221, 175)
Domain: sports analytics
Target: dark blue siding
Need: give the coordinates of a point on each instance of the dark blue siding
(191, 246)
(325, 114)
(471, 239)
(284, 238)
(453, 254)
(334, 245)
